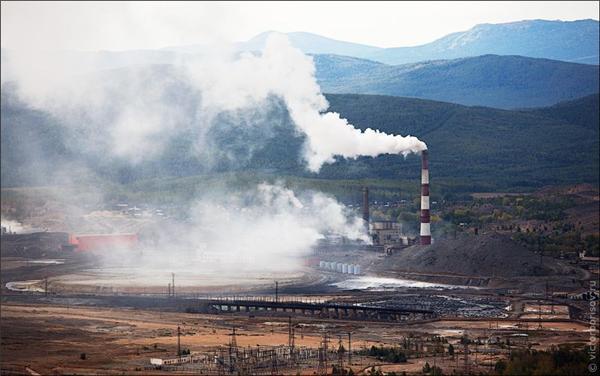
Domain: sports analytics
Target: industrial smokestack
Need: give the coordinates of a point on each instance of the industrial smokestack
(425, 217)
(365, 207)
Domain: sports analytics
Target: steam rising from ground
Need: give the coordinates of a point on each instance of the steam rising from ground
(266, 230)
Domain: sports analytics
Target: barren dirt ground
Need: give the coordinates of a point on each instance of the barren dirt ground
(50, 339)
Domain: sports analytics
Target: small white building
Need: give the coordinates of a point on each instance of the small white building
(170, 361)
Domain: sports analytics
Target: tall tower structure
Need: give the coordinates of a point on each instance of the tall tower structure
(365, 207)
(425, 216)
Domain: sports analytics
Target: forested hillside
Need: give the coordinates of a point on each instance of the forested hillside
(473, 147)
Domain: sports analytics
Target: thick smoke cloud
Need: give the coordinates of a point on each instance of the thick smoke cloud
(140, 110)
(135, 113)
(267, 229)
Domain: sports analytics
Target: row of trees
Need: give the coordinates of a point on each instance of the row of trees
(563, 360)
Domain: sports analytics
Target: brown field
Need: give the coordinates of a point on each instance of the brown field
(50, 339)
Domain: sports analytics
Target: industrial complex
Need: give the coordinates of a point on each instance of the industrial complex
(401, 302)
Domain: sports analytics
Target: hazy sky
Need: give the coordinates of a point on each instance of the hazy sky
(118, 26)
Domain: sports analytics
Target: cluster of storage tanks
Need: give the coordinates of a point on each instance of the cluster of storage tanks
(340, 267)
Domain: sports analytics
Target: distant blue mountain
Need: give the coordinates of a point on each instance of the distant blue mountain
(307, 42)
(489, 80)
(575, 41)
(312, 44)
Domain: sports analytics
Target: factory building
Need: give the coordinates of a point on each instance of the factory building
(99, 242)
(387, 232)
(388, 235)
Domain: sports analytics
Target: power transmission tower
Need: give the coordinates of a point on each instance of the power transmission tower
(322, 354)
(274, 370)
(340, 355)
(220, 363)
(233, 352)
(321, 370)
(291, 341)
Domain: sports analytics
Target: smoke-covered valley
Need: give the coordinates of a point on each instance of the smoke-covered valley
(133, 113)
(220, 110)
(259, 113)
(268, 229)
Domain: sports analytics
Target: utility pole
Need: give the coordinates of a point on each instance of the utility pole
(551, 296)
(434, 358)
(466, 350)
(173, 283)
(539, 314)
(290, 339)
(349, 349)
(169, 290)
(325, 341)
(178, 342)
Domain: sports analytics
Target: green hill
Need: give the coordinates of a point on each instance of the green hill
(485, 145)
(471, 148)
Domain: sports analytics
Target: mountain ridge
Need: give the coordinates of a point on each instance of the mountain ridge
(535, 38)
(500, 81)
(572, 41)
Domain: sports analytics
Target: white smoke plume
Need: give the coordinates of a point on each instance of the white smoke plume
(142, 122)
(284, 71)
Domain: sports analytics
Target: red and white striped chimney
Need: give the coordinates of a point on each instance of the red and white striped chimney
(425, 217)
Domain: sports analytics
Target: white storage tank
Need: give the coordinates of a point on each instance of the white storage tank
(351, 269)
(357, 269)
(344, 268)
(338, 267)
(331, 266)
(322, 264)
